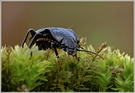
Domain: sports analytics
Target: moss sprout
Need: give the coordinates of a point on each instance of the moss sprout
(43, 72)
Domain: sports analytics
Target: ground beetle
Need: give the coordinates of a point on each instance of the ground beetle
(55, 37)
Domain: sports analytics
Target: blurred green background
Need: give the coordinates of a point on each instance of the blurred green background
(99, 22)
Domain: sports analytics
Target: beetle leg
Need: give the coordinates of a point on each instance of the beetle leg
(77, 57)
(29, 31)
(34, 38)
(56, 52)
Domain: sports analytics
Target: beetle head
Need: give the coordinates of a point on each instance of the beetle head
(69, 45)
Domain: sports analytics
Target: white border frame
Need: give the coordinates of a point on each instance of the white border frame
(64, 1)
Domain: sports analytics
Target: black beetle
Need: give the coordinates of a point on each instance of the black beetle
(55, 37)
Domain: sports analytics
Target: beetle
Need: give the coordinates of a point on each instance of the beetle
(55, 37)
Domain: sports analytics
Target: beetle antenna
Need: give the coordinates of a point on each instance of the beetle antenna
(90, 52)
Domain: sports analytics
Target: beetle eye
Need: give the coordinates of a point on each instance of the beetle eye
(65, 46)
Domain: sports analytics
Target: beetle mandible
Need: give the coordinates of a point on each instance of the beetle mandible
(55, 37)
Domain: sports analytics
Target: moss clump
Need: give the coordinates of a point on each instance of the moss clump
(43, 72)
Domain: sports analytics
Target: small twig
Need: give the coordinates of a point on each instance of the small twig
(100, 49)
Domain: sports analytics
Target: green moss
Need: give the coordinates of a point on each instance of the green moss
(44, 72)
